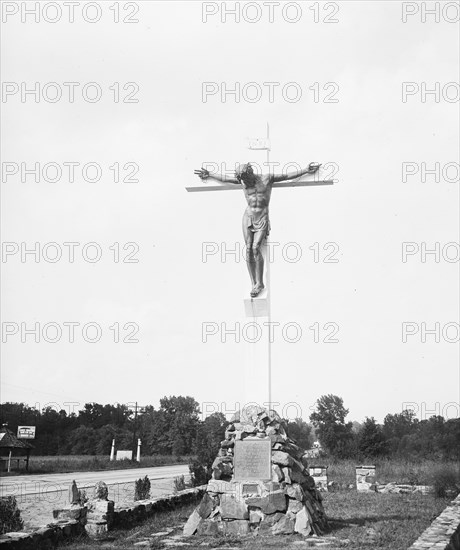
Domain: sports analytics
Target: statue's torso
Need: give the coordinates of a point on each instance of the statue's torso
(258, 197)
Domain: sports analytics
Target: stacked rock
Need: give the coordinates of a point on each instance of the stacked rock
(287, 503)
(100, 512)
(365, 479)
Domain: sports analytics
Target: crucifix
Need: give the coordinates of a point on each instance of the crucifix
(257, 189)
(256, 223)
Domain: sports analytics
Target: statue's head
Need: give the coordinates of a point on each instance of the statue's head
(245, 173)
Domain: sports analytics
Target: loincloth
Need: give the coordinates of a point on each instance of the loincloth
(258, 224)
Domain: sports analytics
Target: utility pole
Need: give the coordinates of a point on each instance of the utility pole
(134, 432)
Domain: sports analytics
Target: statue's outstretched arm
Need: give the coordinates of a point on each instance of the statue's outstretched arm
(311, 169)
(204, 174)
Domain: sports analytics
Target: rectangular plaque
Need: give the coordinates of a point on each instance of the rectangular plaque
(253, 460)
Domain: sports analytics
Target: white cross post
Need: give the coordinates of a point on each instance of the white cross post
(260, 306)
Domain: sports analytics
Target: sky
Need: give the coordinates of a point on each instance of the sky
(352, 287)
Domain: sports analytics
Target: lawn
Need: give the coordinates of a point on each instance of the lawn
(389, 521)
(358, 522)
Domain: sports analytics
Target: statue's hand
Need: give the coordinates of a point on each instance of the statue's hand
(313, 167)
(202, 173)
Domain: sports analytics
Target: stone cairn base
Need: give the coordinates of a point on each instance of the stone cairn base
(287, 503)
(96, 514)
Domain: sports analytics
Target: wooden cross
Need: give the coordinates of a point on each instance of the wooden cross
(289, 183)
(297, 182)
(302, 181)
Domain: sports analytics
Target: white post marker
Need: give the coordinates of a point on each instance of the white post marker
(138, 456)
(112, 452)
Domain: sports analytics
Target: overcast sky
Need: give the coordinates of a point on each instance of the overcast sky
(362, 221)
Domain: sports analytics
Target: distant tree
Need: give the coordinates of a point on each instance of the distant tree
(97, 415)
(209, 435)
(106, 434)
(18, 414)
(397, 428)
(172, 429)
(329, 410)
(156, 428)
(449, 444)
(333, 432)
(52, 427)
(357, 427)
(301, 432)
(83, 441)
(182, 415)
(371, 441)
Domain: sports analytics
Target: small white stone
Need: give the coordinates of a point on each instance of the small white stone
(162, 533)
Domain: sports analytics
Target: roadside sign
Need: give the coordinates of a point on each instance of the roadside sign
(26, 432)
(124, 455)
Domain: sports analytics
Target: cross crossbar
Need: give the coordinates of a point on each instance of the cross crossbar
(232, 187)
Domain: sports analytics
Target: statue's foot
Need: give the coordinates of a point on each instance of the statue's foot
(257, 289)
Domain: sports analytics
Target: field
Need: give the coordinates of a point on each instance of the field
(88, 463)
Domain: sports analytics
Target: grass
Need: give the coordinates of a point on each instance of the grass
(87, 463)
(125, 539)
(425, 472)
(358, 522)
(388, 521)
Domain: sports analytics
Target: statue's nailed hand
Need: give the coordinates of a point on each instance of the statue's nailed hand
(313, 167)
(202, 173)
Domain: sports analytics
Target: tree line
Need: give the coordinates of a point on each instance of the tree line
(175, 428)
(401, 435)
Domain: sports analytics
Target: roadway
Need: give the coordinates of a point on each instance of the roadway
(48, 483)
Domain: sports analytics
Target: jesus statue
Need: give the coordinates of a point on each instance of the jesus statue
(256, 222)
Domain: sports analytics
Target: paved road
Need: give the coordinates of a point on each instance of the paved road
(49, 483)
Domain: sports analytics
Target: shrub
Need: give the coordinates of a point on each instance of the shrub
(10, 516)
(413, 477)
(209, 435)
(179, 484)
(200, 475)
(142, 489)
(82, 497)
(446, 482)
